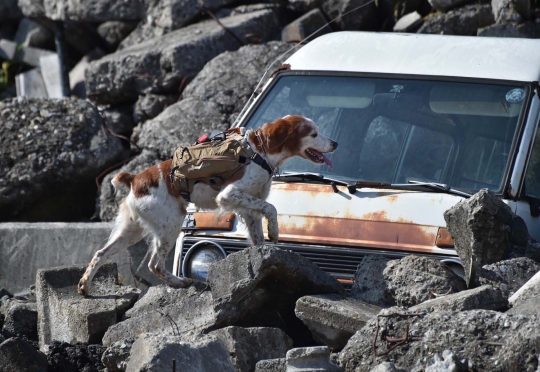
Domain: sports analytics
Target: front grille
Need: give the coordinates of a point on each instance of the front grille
(340, 262)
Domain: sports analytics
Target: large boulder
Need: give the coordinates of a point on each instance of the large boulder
(267, 281)
(481, 228)
(155, 352)
(52, 150)
(63, 315)
(166, 311)
(415, 279)
(159, 65)
(333, 319)
(247, 346)
(487, 340)
(94, 11)
(17, 355)
(369, 284)
(163, 17)
(462, 21)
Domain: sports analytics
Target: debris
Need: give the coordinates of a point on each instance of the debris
(310, 359)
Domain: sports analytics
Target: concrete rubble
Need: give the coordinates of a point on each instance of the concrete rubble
(310, 359)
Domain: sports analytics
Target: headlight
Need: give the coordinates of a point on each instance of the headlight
(199, 257)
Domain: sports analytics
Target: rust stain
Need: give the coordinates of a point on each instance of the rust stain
(213, 221)
(444, 240)
(346, 281)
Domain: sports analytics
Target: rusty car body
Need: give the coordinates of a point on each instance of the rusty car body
(423, 121)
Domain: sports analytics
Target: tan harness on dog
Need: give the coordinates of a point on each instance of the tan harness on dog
(213, 162)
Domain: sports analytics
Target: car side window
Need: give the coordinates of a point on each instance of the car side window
(532, 177)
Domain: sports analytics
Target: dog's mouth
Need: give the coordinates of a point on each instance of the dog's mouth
(318, 157)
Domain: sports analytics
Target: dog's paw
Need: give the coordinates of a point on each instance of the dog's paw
(83, 288)
(273, 232)
(182, 283)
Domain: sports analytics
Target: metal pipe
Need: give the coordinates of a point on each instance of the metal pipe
(61, 50)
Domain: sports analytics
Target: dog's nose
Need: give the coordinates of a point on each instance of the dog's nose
(334, 144)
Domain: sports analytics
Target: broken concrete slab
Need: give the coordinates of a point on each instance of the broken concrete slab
(151, 105)
(369, 284)
(461, 21)
(21, 321)
(116, 356)
(333, 319)
(310, 359)
(166, 311)
(64, 357)
(8, 49)
(95, 11)
(412, 279)
(526, 307)
(66, 316)
(247, 346)
(50, 70)
(479, 227)
(245, 283)
(525, 292)
(27, 247)
(304, 26)
(529, 30)
(160, 64)
(31, 56)
(485, 297)
(508, 275)
(17, 355)
(31, 84)
(271, 365)
(155, 352)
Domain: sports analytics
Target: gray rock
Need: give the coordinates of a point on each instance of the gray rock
(116, 357)
(509, 275)
(527, 307)
(409, 22)
(180, 125)
(310, 359)
(304, 26)
(247, 346)
(66, 316)
(119, 118)
(10, 11)
(362, 19)
(17, 355)
(151, 105)
(529, 30)
(47, 144)
(111, 199)
(479, 227)
(461, 21)
(244, 284)
(188, 311)
(333, 319)
(95, 10)
(369, 284)
(21, 321)
(448, 362)
(488, 340)
(159, 65)
(64, 357)
(32, 8)
(446, 5)
(485, 297)
(166, 16)
(113, 32)
(76, 75)
(154, 352)
(271, 365)
(528, 290)
(503, 8)
(387, 367)
(412, 278)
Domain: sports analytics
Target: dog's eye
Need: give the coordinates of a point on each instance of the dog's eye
(314, 135)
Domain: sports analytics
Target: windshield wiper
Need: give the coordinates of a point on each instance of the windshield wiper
(355, 185)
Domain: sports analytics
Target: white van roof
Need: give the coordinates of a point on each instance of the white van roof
(419, 54)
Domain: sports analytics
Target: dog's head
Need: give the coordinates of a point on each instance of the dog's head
(295, 135)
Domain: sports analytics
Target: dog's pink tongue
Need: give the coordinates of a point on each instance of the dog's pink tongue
(324, 158)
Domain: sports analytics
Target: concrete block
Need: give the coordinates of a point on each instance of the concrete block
(310, 359)
(271, 365)
(66, 316)
(27, 247)
(8, 49)
(304, 26)
(31, 84)
(50, 70)
(31, 56)
(17, 355)
(247, 346)
(21, 321)
(154, 352)
(528, 290)
(333, 319)
(485, 297)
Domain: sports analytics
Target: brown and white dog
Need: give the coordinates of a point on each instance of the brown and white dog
(154, 205)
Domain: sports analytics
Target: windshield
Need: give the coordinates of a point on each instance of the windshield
(396, 131)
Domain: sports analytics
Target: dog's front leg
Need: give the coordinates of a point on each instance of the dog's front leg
(254, 225)
(234, 199)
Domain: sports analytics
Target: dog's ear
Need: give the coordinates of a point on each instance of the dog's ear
(280, 131)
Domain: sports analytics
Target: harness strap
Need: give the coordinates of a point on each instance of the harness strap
(255, 157)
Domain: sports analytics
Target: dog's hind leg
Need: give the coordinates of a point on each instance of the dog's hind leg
(163, 242)
(125, 233)
(253, 222)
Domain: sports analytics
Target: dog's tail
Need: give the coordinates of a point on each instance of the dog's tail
(123, 178)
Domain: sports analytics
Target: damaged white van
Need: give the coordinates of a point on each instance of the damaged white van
(422, 122)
